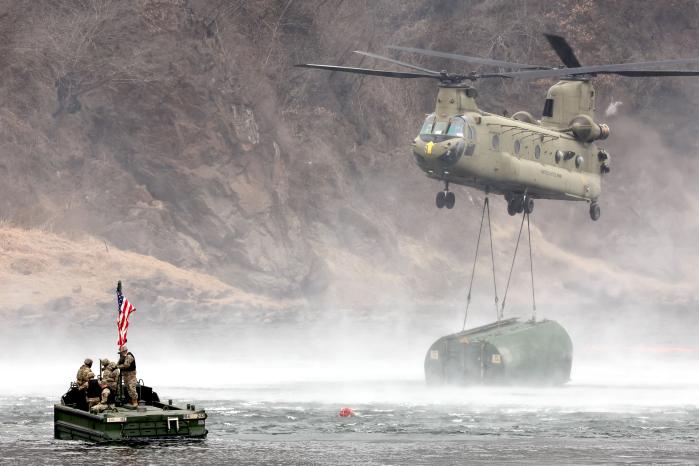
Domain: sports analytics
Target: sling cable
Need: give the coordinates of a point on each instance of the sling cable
(499, 311)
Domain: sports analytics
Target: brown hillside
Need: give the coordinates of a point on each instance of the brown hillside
(179, 132)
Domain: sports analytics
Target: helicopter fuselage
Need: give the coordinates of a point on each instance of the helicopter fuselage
(502, 155)
(518, 157)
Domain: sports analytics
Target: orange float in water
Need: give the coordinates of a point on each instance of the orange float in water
(346, 412)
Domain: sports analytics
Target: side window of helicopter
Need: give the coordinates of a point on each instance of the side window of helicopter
(518, 146)
(537, 152)
(427, 125)
(548, 108)
(456, 127)
(496, 142)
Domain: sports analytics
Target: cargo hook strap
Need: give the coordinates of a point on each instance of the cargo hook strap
(531, 269)
(486, 207)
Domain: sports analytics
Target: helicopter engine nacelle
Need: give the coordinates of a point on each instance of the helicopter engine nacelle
(525, 117)
(586, 130)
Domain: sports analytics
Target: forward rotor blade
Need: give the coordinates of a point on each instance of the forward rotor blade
(464, 58)
(563, 50)
(397, 62)
(475, 76)
(370, 72)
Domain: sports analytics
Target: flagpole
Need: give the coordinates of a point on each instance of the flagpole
(118, 292)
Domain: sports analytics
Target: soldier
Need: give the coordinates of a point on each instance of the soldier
(127, 365)
(108, 383)
(104, 362)
(93, 391)
(82, 377)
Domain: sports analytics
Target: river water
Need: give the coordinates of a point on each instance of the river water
(399, 422)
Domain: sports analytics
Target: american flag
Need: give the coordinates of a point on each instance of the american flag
(125, 310)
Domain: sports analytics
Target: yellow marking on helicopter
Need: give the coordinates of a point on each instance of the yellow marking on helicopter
(428, 148)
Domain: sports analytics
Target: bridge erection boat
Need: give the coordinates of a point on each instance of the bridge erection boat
(122, 422)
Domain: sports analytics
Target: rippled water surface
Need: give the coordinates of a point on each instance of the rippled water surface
(397, 423)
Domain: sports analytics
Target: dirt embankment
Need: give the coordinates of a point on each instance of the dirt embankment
(47, 278)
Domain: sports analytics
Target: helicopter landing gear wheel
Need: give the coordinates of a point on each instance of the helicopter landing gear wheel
(595, 211)
(445, 198)
(449, 200)
(441, 200)
(511, 207)
(516, 204)
(528, 205)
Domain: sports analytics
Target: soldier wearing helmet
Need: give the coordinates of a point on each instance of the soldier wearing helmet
(108, 383)
(104, 362)
(83, 374)
(127, 366)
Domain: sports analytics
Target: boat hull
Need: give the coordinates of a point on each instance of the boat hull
(124, 424)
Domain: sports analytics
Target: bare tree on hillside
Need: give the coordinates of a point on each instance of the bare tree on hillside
(83, 43)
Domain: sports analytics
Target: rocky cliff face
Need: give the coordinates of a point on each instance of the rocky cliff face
(179, 130)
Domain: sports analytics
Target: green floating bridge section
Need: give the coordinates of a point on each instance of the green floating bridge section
(502, 353)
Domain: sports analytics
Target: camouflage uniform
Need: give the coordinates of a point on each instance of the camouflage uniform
(127, 365)
(108, 382)
(83, 372)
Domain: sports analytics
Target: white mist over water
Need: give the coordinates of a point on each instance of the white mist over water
(352, 366)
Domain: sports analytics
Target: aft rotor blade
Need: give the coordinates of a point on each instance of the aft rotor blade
(397, 62)
(598, 69)
(464, 58)
(368, 71)
(563, 50)
(651, 73)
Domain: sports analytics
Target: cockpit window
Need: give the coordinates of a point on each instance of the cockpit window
(456, 127)
(440, 127)
(427, 125)
(452, 128)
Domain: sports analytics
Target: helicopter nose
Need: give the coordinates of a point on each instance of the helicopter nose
(453, 152)
(438, 153)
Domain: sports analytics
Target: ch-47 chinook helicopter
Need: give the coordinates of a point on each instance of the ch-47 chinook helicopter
(519, 157)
